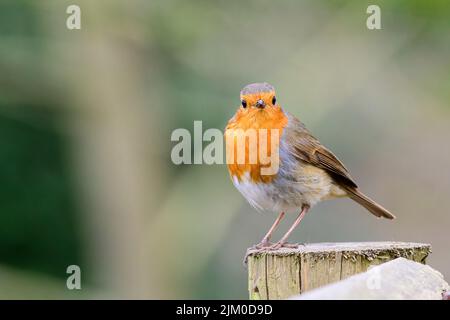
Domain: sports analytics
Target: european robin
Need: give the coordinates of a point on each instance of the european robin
(307, 171)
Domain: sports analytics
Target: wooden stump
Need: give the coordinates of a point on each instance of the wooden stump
(286, 272)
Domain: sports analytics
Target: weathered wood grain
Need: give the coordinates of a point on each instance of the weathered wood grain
(282, 276)
(257, 280)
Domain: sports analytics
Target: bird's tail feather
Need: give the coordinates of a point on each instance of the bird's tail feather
(369, 204)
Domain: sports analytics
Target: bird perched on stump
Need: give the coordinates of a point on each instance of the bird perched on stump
(305, 171)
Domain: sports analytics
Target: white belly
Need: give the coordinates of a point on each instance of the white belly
(290, 190)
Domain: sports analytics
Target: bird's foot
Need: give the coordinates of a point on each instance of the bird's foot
(281, 244)
(263, 244)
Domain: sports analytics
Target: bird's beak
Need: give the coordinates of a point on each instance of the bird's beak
(260, 104)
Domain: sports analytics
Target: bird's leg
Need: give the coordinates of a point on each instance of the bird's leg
(265, 241)
(283, 241)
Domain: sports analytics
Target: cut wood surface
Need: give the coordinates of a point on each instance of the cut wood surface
(286, 272)
(399, 279)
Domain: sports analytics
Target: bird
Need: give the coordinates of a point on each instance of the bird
(307, 172)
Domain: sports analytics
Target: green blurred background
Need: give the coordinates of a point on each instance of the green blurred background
(86, 118)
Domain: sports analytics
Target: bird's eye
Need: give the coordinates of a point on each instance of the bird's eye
(274, 100)
(244, 103)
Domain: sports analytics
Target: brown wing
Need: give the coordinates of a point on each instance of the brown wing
(309, 149)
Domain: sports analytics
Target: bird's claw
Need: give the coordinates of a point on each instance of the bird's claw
(280, 244)
(263, 245)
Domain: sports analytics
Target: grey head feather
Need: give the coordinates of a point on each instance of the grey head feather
(256, 88)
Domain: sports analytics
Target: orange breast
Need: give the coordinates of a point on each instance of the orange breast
(246, 126)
